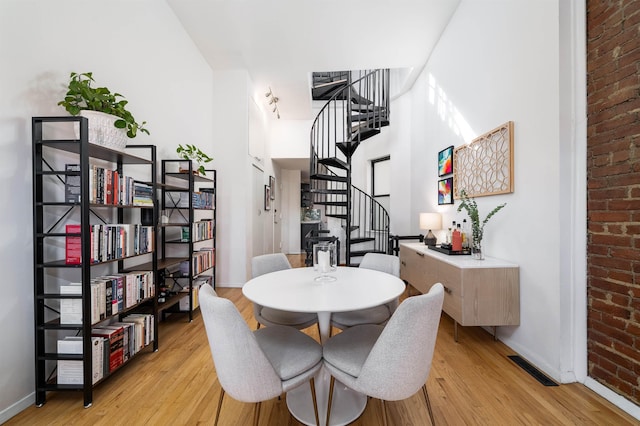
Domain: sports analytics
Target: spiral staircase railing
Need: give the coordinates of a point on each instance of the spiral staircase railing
(356, 111)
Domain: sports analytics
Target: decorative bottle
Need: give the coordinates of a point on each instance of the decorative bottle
(465, 234)
(456, 239)
(453, 227)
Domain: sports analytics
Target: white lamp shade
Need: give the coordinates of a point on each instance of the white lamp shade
(430, 221)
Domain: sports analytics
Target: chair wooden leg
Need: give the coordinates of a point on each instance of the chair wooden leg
(256, 414)
(426, 398)
(331, 383)
(312, 383)
(215, 423)
(384, 412)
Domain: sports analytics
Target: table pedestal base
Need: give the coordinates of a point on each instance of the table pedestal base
(347, 405)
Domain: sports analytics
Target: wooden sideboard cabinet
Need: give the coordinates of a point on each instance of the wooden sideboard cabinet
(477, 292)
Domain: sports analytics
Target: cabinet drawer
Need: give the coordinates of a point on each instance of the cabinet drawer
(452, 304)
(451, 279)
(412, 268)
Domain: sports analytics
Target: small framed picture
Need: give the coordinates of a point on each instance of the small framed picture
(272, 187)
(445, 191)
(267, 197)
(445, 161)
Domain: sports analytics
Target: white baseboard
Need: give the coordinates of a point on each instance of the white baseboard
(230, 285)
(17, 407)
(617, 400)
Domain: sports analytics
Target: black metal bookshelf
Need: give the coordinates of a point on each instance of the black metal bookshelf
(179, 210)
(51, 270)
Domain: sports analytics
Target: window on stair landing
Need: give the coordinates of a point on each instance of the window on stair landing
(380, 191)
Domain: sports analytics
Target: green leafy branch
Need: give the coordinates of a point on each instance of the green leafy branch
(191, 152)
(477, 227)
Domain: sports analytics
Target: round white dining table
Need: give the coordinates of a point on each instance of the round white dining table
(297, 290)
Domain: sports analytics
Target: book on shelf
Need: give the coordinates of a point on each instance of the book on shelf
(142, 194)
(119, 292)
(144, 329)
(112, 294)
(195, 291)
(71, 309)
(123, 329)
(97, 360)
(73, 245)
(108, 242)
(114, 339)
(115, 187)
(70, 372)
(108, 186)
(72, 189)
(202, 260)
(95, 302)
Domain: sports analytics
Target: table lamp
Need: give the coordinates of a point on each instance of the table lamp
(430, 221)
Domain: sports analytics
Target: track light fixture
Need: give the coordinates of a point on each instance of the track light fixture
(273, 100)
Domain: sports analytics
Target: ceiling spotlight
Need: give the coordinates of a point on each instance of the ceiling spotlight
(273, 101)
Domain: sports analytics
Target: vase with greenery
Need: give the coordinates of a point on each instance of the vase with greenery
(81, 95)
(190, 152)
(477, 226)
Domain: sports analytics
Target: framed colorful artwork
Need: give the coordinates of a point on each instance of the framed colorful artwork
(445, 191)
(445, 161)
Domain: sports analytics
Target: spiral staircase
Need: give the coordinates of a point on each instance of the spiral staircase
(357, 108)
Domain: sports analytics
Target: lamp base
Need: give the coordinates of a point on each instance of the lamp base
(430, 239)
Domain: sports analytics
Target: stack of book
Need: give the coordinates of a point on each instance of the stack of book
(109, 242)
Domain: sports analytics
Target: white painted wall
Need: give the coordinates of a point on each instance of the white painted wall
(231, 123)
(480, 76)
(290, 138)
(148, 57)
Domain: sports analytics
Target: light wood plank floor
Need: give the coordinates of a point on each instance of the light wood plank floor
(472, 382)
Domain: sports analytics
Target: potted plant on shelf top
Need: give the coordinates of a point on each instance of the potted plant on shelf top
(477, 227)
(82, 96)
(191, 152)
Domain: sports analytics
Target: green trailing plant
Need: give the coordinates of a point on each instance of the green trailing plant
(191, 152)
(477, 227)
(81, 95)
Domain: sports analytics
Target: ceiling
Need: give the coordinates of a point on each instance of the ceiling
(280, 42)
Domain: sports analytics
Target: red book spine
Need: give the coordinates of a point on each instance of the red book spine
(109, 185)
(116, 187)
(73, 245)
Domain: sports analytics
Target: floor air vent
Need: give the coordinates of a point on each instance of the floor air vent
(537, 374)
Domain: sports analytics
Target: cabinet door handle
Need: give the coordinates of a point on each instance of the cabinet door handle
(420, 254)
(403, 263)
(447, 290)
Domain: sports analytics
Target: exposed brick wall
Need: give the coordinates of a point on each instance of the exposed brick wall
(613, 194)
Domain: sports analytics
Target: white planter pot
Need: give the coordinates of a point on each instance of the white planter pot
(102, 131)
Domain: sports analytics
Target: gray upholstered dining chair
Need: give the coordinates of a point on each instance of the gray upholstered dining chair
(377, 314)
(255, 366)
(390, 362)
(272, 262)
